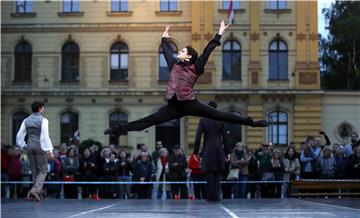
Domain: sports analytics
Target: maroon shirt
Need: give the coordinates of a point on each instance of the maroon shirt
(183, 75)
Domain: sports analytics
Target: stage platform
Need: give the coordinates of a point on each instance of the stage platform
(252, 208)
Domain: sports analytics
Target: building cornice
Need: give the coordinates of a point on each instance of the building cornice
(126, 92)
(92, 27)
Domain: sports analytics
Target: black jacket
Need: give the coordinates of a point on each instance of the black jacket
(143, 169)
(177, 173)
(89, 172)
(213, 155)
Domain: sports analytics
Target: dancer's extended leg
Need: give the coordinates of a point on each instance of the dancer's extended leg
(196, 108)
(164, 114)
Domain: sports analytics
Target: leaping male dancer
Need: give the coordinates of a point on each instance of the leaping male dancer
(181, 101)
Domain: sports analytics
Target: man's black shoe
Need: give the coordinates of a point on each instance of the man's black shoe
(114, 130)
(260, 123)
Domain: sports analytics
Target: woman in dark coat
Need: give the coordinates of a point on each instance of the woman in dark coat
(213, 155)
(89, 170)
(143, 170)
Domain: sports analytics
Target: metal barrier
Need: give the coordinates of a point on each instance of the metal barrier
(175, 182)
(135, 182)
(125, 183)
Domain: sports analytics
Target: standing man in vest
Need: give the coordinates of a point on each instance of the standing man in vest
(39, 146)
(185, 69)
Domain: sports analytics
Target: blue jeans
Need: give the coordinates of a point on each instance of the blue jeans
(240, 189)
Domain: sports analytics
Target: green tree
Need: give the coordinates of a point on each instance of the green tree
(87, 144)
(340, 50)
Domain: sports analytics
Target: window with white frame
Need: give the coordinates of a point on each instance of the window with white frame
(278, 128)
(277, 4)
(119, 59)
(24, 6)
(278, 60)
(168, 5)
(71, 6)
(231, 56)
(119, 5)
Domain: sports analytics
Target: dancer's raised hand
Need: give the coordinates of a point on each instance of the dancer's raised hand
(222, 27)
(166, 32)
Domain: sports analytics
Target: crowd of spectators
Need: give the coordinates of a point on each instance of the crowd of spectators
(312, 161)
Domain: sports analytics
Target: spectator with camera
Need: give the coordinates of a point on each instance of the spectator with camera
(308, 158)
(177, 172)
(110, 169)
(125, 168)
(89, 170)
(277, 168)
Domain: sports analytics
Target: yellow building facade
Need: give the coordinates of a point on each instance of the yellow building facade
(95, 27)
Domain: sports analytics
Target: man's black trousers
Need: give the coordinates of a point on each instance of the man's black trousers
(176, 109)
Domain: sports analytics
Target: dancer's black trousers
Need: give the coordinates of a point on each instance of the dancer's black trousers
(213, 186)
(176, 109)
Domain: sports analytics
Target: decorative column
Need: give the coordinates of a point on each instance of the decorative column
(254, 68)
(255, 136)
(307, 69)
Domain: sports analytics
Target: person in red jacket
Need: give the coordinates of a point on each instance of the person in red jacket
(185, 69)
(197, 175)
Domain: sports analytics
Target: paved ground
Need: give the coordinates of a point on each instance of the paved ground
(66, 208)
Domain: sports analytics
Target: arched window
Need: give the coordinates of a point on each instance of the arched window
(17, 119)
(278, 127)
(114, 119)
(119, 60)
(70, 70)
(69, 125)
(163, 67)
(23, 58)
(278, 60)
(231, 54)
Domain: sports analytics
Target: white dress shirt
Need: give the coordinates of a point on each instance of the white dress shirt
(45, 141)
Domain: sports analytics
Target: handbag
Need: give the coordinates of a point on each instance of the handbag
(233, 173)
(69, 178)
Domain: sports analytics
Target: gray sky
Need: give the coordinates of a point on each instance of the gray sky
(321, 20)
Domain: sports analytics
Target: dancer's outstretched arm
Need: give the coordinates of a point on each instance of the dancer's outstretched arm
(167, 49)
(209, 48)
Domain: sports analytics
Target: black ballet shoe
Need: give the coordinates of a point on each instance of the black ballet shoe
(114, 130)
(260, 123)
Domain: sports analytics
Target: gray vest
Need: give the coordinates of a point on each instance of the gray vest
(33, 129)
